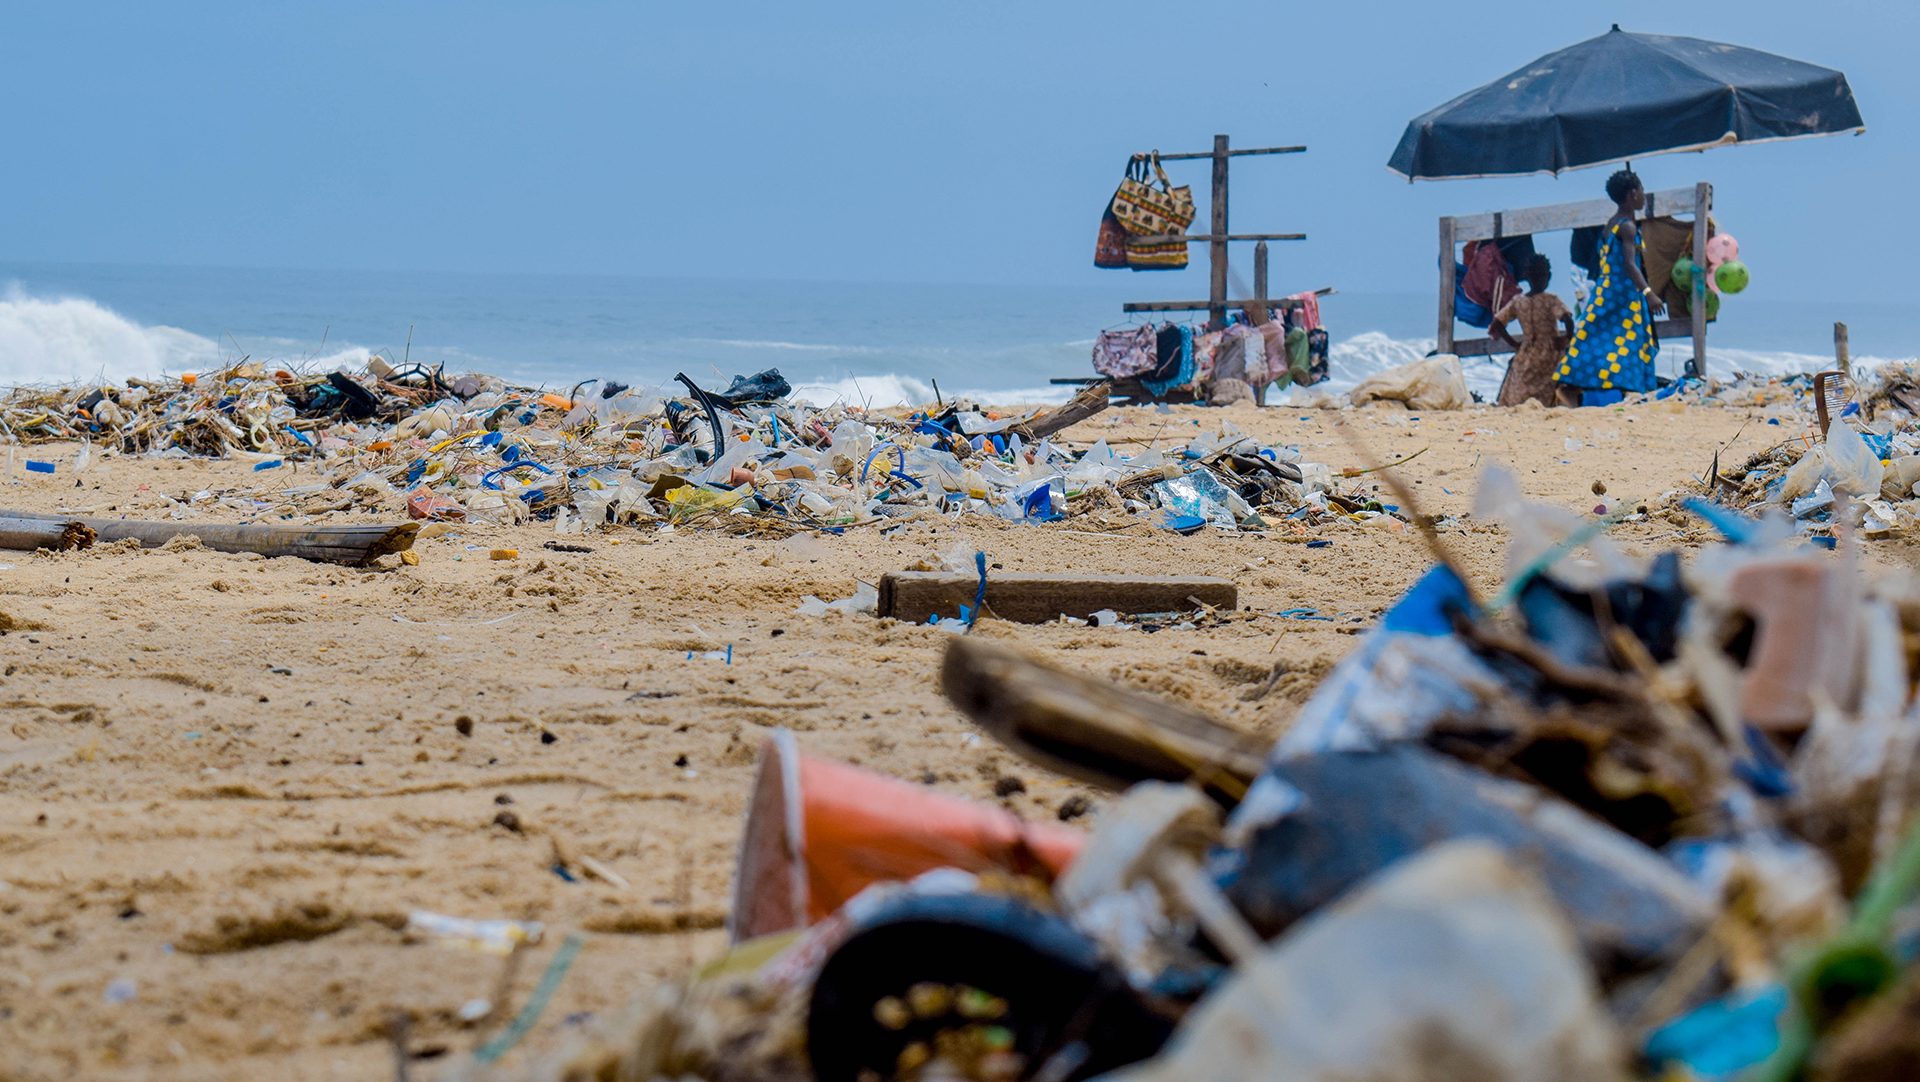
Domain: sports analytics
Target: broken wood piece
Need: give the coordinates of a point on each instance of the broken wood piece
(31, 534)
(327, 544)
(1092, 730)
(1035, 598)
(1091, 400)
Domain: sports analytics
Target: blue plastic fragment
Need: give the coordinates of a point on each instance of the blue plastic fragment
(491, 439)
(1825, 542)
(1186, 524)
(1427, 608)
(1322, 543)
(1733, 525)
(269, 464)
(416, 470)
(39, 467)
(1719, 1040)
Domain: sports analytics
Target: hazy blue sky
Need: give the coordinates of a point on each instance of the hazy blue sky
(856, 141)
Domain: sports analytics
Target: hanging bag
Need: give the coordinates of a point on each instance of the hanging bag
(1110, 248)
(1153, 208)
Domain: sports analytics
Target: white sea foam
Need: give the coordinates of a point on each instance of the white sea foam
(53, 340)
(49, 340)
(794, 347)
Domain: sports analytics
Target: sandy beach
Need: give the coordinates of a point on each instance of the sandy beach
(226, 780)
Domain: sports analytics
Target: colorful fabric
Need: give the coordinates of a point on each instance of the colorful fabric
(1613, 346)
(1306, 315)
(1125, 353)
(1175, 368)
(1530, 373)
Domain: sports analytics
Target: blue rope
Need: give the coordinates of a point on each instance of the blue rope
(980, 592)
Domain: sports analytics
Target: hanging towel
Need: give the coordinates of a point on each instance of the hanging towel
(1307, 315)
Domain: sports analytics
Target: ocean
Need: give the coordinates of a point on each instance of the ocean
(881, 344)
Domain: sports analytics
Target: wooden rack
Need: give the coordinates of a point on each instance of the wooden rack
(1217, 237)
(1697, 201)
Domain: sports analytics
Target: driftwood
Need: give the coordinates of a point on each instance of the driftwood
(1093, 730)
(29, 534)
(1091, 400)
(1035, 599)
(328, 544)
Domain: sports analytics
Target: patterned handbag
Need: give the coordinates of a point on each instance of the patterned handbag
(1110, 250)
(1125, 353)
(1153, 208)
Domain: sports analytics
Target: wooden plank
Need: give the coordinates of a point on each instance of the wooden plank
(1194, 306)
(1093, 730)
(328, 544)
(1078, 408)
(1026, 598)
(32, 534)
(1486, 347)
(1443, 337)
(1514, 223)
(1208, 238)
(1842, 352)
(1217, 248)
(1259, 312)
(1241, 153)
(1702, 205)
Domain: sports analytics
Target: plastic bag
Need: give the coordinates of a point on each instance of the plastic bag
(1200, 495)
(1851, 464)
(1433, 384)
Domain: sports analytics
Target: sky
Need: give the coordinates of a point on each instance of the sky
(860, 141)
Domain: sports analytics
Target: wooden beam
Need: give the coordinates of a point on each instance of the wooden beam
(1217, 247)
(1515, 223)
(1443, 336)
(1080, 407)
(1241, 153)
(1093, 730)
(1487, 347)
(1208, 238)
(329, 544)
(1260, 278)
(1842, 352)
(1194, 306)
(1025, 598)
(55, 534)
(1702, 207)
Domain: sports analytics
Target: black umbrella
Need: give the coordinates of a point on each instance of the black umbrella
(1621, 96)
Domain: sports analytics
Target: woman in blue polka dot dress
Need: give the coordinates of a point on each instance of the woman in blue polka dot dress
(1613, 346)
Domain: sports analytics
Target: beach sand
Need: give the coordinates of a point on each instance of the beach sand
(225, 781)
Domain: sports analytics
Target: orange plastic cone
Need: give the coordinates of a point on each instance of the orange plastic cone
(819, 832)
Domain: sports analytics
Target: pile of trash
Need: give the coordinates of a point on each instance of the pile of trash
(748, 458)
(1617, 818)
(1854, 463)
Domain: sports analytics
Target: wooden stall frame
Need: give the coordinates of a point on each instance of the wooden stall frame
(1454, 231)
(1218, 236)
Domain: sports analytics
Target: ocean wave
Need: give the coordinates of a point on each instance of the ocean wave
(796, 347)
(65, 339)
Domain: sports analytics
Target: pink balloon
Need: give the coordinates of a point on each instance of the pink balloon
(1720, 248)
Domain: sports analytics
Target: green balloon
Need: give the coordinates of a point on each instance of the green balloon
(1713, 304)
(1683, 272)
(1731, 276)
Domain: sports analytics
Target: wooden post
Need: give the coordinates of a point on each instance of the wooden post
(1842, 353)
(1217, 248)
(1443, 339)
(1259, 314)
(1702, 205)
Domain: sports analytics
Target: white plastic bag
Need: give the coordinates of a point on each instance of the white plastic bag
(1851, 464)
(1433, 384)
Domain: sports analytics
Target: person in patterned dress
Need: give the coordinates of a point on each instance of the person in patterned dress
(1613, 346)
(1538, 352)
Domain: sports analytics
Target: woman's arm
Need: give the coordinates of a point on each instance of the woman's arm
(1497, 330)
(1629, 242)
